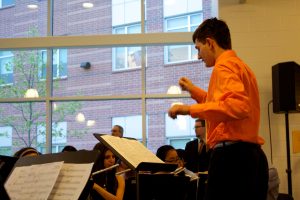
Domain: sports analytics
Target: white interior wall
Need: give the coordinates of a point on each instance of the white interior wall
(264, 33)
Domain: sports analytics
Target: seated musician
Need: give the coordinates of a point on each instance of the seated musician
(107, 185)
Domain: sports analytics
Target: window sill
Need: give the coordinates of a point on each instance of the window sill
(181, 63)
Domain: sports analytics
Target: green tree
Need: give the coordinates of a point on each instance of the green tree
(28, 119)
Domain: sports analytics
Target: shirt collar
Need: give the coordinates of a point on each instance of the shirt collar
(226, 54)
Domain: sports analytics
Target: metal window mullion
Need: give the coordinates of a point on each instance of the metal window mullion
(143, 76)
(49, 80)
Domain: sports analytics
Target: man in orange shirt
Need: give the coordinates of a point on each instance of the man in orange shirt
(238, 167)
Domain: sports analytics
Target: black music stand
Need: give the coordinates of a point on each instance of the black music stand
(153, 178)
(76, 157)
(6, 165)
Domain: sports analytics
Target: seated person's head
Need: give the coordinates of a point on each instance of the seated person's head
(69, 148)
(98, 146)
(117, 131)
(168, 154)
(181, 155)
(26, 151)
(106, 156)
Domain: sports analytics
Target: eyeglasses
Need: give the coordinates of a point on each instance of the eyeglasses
(173, 160)
(198, 127)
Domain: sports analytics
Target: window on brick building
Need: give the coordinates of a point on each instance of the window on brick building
(5, 140)
(59, 137)
(132, 125)
(180, 130)
(60, 62)
(185, 23)
(126, 57)
(5, 3)
(6, 67)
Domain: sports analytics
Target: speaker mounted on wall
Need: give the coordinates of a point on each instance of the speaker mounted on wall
(85, 65)
(286, 87)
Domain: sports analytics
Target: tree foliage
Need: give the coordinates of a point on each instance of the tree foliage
(28, 119)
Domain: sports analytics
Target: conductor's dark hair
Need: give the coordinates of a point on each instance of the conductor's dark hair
(215, 29)
(163, 150)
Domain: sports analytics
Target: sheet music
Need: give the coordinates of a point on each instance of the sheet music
(71, 181)
(132, 150)
(33, 182)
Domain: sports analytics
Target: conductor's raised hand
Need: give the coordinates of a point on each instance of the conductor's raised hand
(185, 84)
(178, 110)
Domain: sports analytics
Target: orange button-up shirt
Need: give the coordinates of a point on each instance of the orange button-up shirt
(231, 104)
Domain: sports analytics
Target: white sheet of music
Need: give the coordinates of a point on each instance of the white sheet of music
(132, 150)
(71, 181)
(32, 182)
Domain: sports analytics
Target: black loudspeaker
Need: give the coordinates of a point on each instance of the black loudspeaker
(286, 87)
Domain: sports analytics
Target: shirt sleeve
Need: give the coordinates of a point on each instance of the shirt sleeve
(228, 99)
(198, 94)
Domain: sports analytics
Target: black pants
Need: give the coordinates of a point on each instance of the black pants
(238, 172)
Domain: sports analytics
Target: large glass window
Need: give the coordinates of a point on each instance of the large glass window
(98, 79)
(6, 67)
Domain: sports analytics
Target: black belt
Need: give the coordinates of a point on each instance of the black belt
(224, 144)
(228, 143)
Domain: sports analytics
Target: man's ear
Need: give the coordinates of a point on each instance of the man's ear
(210, 42)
